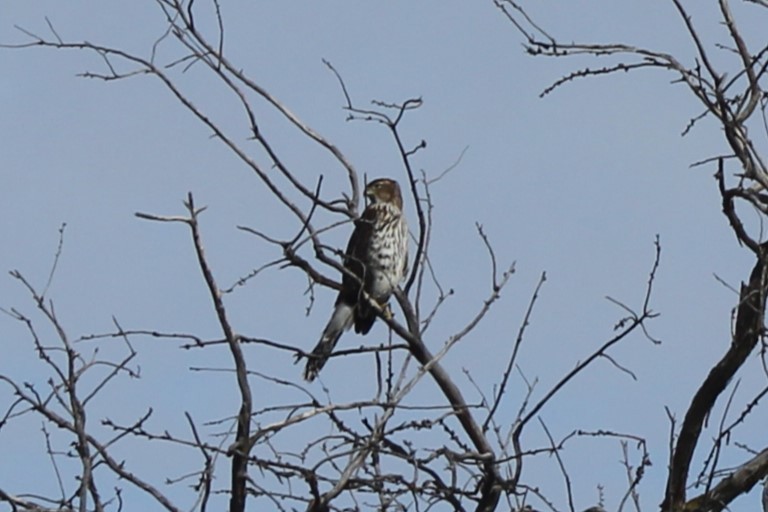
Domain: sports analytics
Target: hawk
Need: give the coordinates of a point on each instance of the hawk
(376, 261)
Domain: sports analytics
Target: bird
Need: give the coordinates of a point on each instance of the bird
(376, 261)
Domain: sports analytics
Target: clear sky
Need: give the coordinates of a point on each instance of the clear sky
(577, 184)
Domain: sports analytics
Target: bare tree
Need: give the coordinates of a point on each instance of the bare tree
(376, 452)
(734, 96)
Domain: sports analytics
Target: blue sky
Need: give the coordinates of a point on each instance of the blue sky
(577, 184)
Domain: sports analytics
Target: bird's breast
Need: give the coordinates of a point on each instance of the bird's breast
(386, 253)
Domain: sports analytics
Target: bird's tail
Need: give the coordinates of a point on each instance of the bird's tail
(341, 320)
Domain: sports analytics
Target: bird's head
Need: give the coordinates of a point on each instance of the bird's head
(384, 190)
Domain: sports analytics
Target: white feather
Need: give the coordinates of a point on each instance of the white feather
(341, 320)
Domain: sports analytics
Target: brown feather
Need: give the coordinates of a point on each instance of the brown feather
(376, 260)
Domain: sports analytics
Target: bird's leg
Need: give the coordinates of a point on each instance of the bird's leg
(384, 309)
(386, 312)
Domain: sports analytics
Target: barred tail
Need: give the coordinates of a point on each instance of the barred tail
(341, 320)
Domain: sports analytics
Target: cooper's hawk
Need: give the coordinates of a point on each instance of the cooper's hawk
(377, 260)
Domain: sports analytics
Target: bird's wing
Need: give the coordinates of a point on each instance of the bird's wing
(356, 257)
